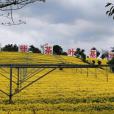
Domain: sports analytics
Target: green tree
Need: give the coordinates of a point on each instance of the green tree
(64, 53)
(10, 48)
(104, 54)
(80, 53)
(57, 50)
(34, 49)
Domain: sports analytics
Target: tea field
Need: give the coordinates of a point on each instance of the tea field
(67, 91)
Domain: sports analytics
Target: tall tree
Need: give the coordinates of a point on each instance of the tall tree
(77, 53)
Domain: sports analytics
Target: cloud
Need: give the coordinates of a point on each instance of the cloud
(68, 23)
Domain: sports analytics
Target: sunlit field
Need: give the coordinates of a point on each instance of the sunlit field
(67, 91)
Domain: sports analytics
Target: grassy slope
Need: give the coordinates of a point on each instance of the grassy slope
(61, 92)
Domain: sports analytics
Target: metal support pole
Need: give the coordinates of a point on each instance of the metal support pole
(18, 78)
(76, 70)
(81, 70)
(107, 74)
(10, 91)
(95, 72)
(87, 72)
(18, 81)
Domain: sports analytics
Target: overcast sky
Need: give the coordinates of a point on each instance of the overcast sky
(69, 23)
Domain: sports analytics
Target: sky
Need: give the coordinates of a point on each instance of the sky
(68, 23)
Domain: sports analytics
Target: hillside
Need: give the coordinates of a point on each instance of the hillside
(67, 91)
(16, 57)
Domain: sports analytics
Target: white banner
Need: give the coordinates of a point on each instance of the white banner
(23, 48)
(93, 54)
(71, 52)
(47, 49)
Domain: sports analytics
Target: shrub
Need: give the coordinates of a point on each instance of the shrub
(99, 62)
(111, 62)
(93, 62)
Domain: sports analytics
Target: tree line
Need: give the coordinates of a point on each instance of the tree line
(57, 50)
